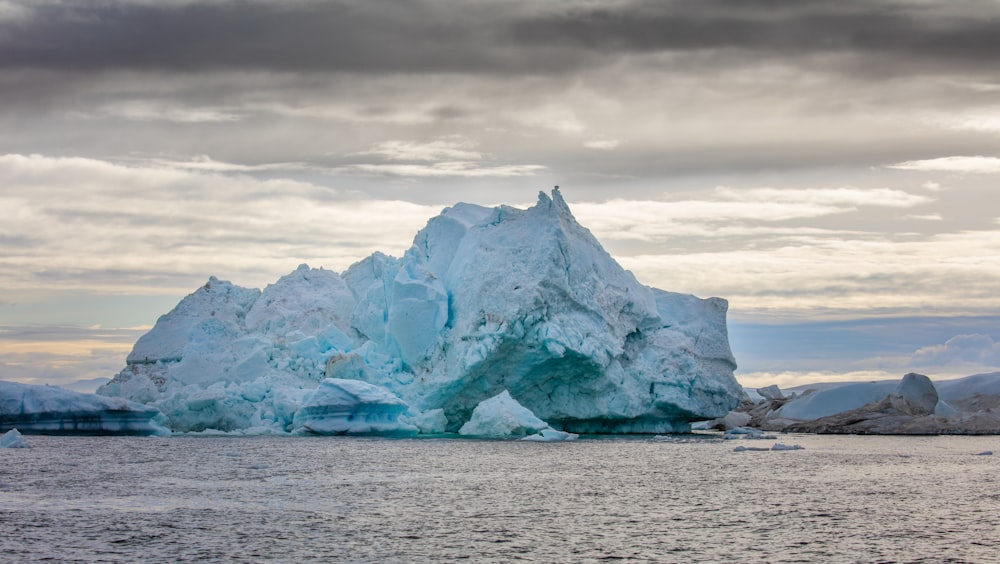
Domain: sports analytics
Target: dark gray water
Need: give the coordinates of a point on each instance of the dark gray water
(294, 499)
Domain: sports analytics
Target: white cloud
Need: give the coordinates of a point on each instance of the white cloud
(974, 164)
(152, 110)
(932, 186)
(457, 169)
(983, 121)
(838, 276)
(733, 212)
(603, 144)
(961, 349)
(926, 217)
(12, 12)
(844, 197)
(553, 117)
(447, 157)
(204, 163)
(85, 223)
(451, 148)
(410, 114)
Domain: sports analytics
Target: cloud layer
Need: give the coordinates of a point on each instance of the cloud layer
(463, 36)
(807, 160)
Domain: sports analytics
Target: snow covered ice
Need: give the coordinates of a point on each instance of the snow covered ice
(57, 411)
(486, 300)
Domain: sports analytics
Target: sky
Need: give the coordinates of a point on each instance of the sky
(830, 168)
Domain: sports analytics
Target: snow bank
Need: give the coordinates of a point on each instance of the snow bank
(58, 411)
(486, 300)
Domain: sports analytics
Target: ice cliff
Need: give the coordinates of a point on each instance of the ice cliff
(486, 300)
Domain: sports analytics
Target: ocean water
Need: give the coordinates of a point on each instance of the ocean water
(677, 499)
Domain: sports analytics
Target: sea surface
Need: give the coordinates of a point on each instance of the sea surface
(665, 499)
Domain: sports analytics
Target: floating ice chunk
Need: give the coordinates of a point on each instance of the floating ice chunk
(732, 420)
(780, 446)
(352, 407)
(550, 436)
(58, 411)
(750, 449)
(430, 422)
(741, 432)
(12, 439)
(502, 416)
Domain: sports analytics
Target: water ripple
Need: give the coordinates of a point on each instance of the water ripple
(844, 499)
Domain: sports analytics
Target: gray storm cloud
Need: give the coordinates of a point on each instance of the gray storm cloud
(490, 37)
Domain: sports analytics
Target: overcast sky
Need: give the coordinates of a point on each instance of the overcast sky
(828, 167)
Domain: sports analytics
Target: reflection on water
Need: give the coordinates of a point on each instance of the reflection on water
(654, 499)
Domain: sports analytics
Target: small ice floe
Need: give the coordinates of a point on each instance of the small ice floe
(780, 446)
(742, 433)
(13, 439)
(750, 449)
(746, 433)
(550, 436)
(985, 453)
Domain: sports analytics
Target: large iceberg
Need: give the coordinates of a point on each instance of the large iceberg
(52, 410)
(486, 300)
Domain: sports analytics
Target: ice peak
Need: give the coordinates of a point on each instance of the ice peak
(555, 204)
(544, 199)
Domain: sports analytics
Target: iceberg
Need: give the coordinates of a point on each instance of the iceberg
(486, 300)
(52, 410)
(12, 439)
(352, 407)
(502, 416)
(551, 435)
